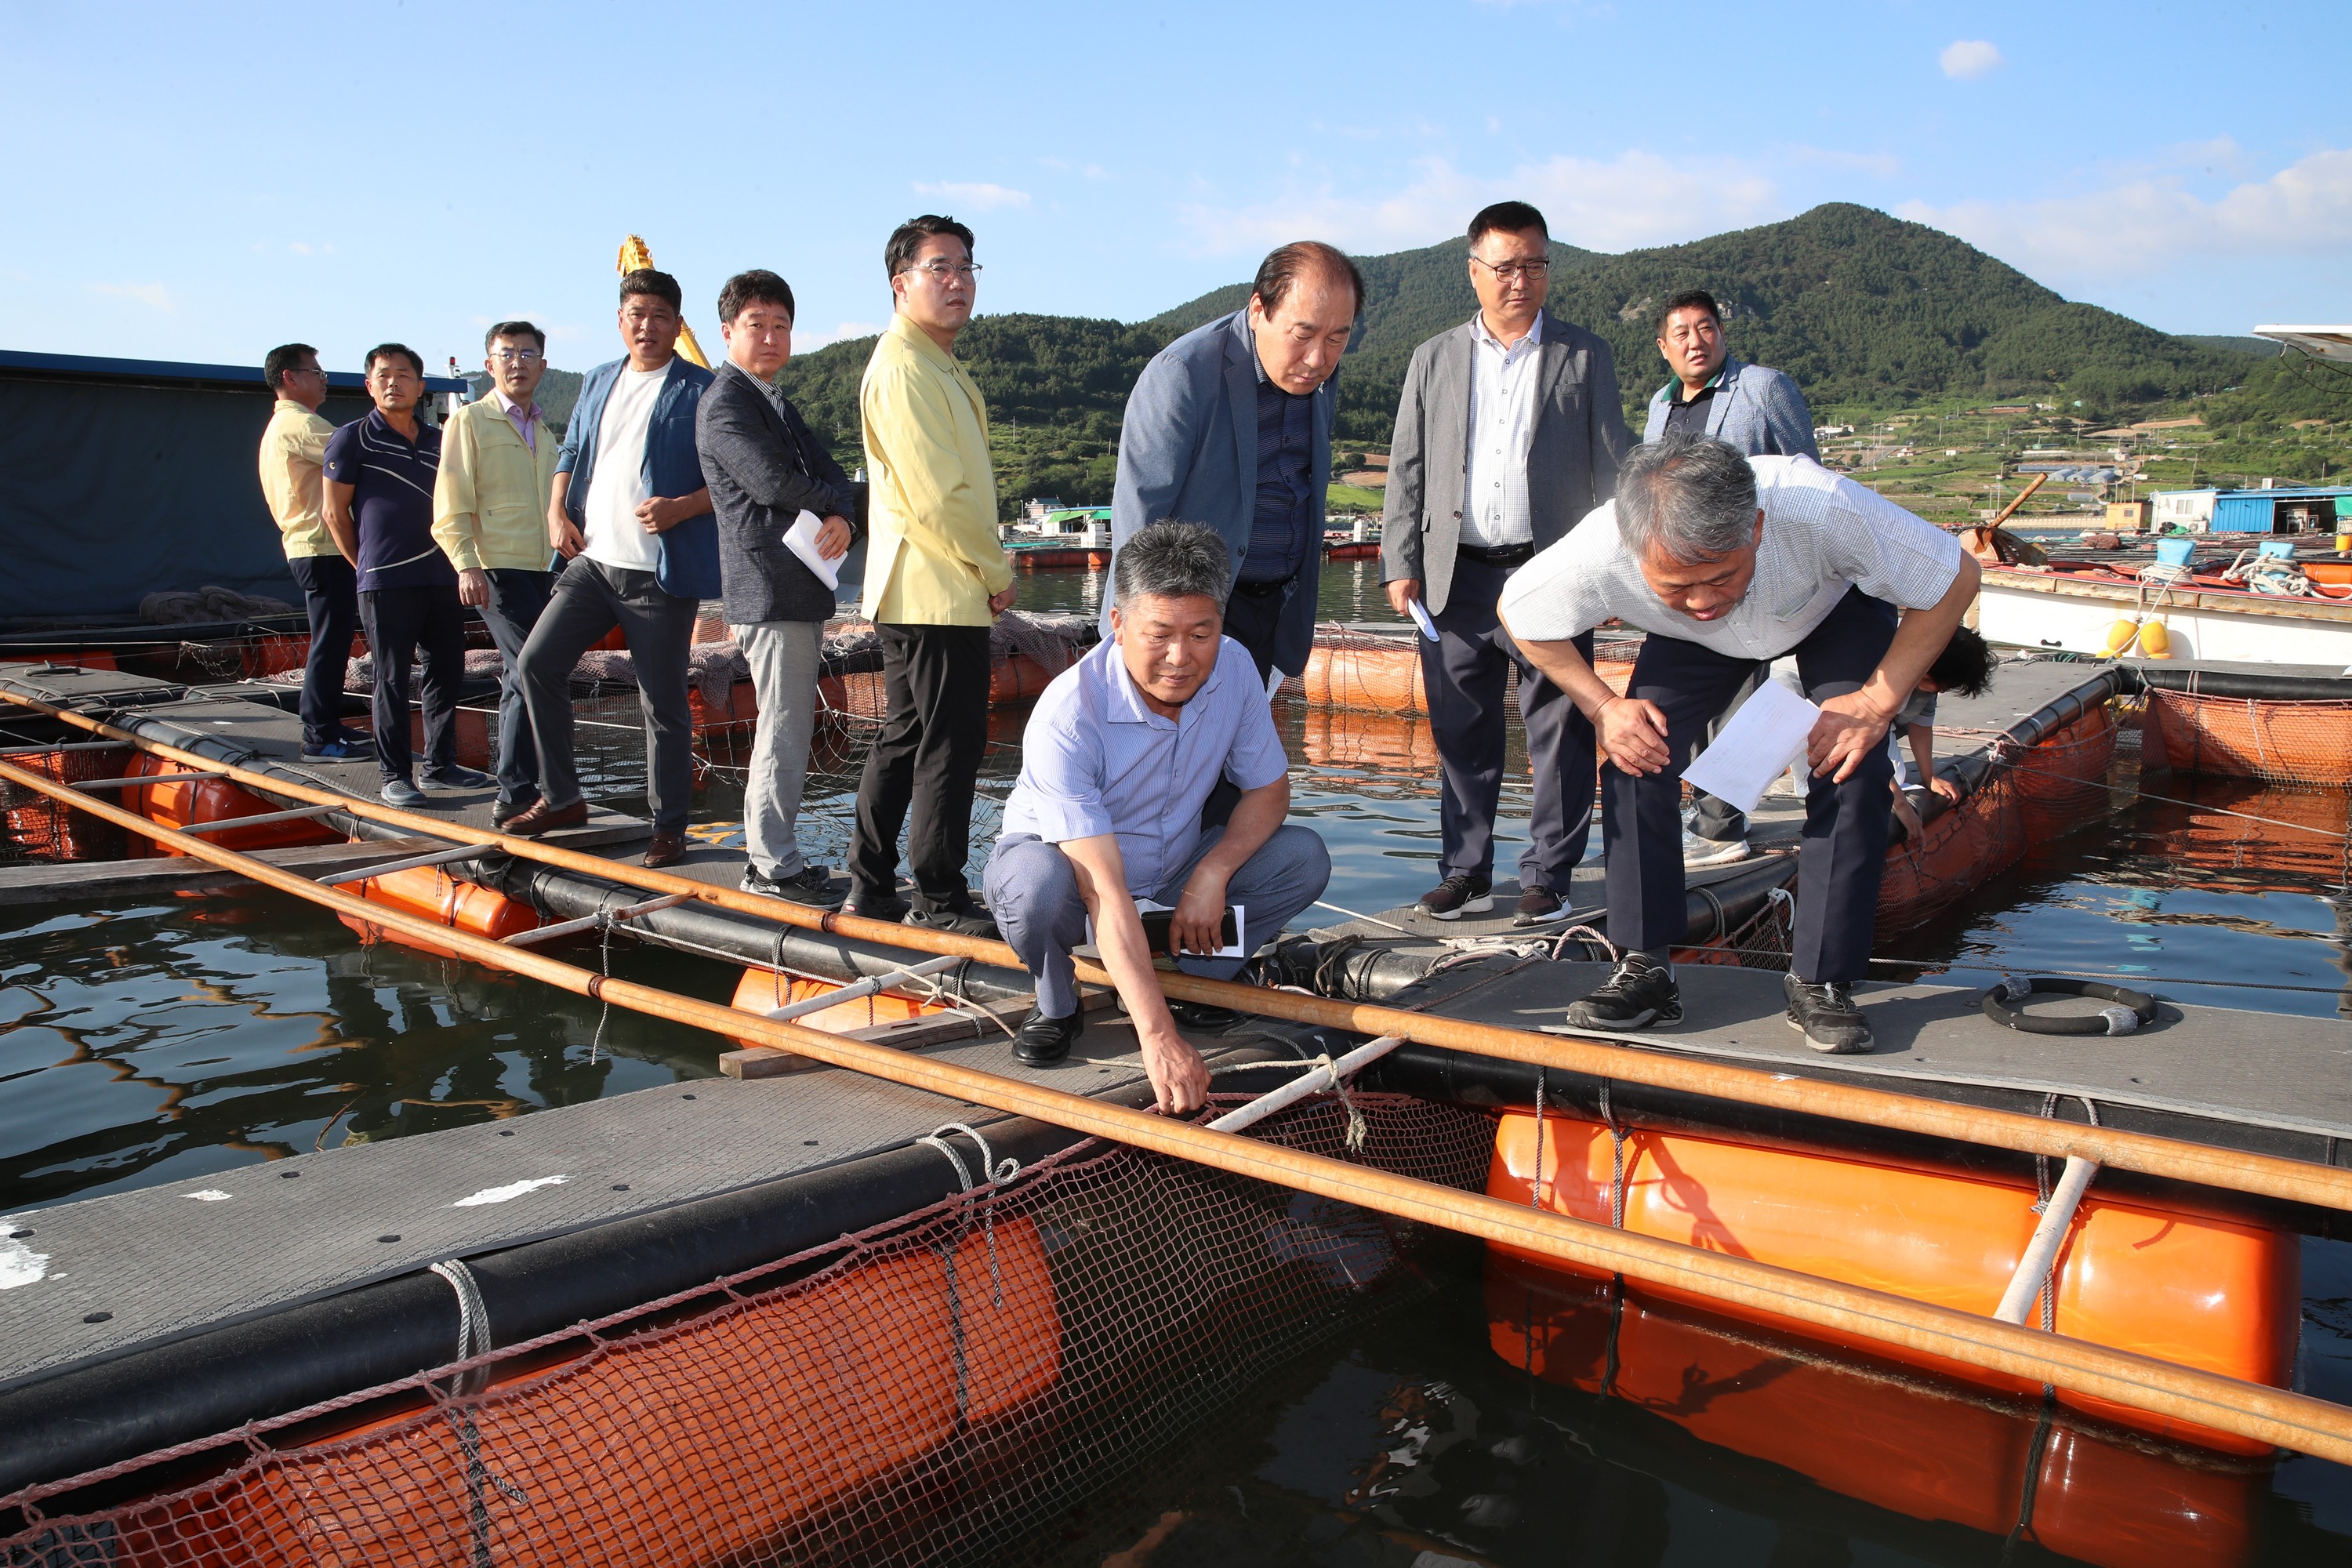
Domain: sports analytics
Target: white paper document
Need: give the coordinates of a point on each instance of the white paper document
(801, 540)
(1146, 907)
(1421, 618)
(1763, 738)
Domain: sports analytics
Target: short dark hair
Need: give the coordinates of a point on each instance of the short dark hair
(660, 285)
(1283, 267)
(514, 330)
(1511, 218)
(282, 359)
(757, 287)
(386, 350)
(908, 238)
(1965, 666)
(1688, 300)
(1173, 560)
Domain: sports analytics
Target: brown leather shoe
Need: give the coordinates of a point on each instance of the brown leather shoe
(666, 849)
(540, 818)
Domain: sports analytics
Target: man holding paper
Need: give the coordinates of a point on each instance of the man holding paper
(1729, 562)
(785, 515)
(1119, 756)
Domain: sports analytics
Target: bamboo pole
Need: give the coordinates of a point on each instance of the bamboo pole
(2249, 1410)
(2263, 1175)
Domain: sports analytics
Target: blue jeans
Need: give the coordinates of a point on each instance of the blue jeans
(1033, 893)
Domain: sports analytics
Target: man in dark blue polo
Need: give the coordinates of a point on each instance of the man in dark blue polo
(377, 502)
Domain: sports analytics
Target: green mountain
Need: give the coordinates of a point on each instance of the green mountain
(1868, 313)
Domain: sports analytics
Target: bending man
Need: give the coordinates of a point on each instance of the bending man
(1729, 562)
(1120, 753)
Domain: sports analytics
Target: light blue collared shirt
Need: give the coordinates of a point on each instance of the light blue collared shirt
(1095, 760)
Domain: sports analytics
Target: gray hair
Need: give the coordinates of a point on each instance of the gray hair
(1693, 496)
(1173, 559)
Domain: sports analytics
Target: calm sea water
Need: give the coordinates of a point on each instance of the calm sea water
(159, 1038)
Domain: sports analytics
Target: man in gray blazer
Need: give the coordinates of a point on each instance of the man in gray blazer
(765, 469)
(1508, 434)
(1757, 410)
(1231, 426)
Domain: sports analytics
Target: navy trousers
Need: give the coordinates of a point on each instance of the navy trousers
(331, 594)
(402, 623)
(517, 597)
(1843, 850)
(1465, 673)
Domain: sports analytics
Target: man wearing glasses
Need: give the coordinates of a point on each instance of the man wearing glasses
(293, 448)
(490, 517)
(936, 578)
(1508, 433)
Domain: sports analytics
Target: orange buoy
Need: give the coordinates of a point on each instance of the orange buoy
(2217, 1295)
(452, 901)
(762, 991)
(185, 802)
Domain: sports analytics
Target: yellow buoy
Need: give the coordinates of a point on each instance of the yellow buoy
(2155, 641)
(2120, 635)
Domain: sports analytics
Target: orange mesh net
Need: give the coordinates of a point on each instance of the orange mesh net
(2307, 744)
(42, 828)
(934, 1389)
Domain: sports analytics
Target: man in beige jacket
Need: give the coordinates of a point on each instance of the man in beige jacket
(935, 579)
(490, 517)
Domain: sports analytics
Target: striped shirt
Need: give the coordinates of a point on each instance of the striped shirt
(392, 479)
(1823, 534)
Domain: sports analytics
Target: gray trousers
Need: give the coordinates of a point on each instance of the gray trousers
(518, 598)
(1033, 893)
(590, 599)
(783, 656)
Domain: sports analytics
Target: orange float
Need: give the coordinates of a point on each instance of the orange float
(2304, 743)
(762, 991)
(2199, 1292)
(431, 892)
(185, 802)
(1378, 743)
(1872, 1431)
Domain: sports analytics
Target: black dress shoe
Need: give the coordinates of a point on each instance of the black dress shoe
(1044, 1041)
(1201, 1015)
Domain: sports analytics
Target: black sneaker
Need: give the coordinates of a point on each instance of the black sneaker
(1537, 907)
(1460, 894)
(811, 884)
(1044, 1041)
(1639, 992)
(1826, 1016)
(887, 907)
(958, 915)
(456, 777)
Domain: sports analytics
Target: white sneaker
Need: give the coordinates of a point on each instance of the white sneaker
(1698, 852)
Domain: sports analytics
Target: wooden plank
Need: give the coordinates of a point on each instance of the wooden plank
(48, 880)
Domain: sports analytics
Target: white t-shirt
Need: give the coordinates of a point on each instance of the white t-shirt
(1822, 533)
(618, 486)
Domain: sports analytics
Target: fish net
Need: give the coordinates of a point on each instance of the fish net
(40, 828)
(2307, 746)
(939, 1390)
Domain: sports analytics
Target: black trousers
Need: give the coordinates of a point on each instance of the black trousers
(1844, 851)
(1251, 620)
(920, 773)
(402, 625)
(1465, 673)
(518, 595)
(330, 587)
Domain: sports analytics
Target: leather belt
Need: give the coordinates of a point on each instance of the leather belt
(1497, 556)
(1262, 590)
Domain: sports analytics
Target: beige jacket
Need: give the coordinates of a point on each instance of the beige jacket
(489, 502)
(293, 451)
(932, 556)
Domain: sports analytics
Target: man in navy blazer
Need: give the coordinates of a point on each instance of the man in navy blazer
(1231, 426)
(631, 517)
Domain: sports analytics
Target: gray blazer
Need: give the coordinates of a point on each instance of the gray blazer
(1188, 449)
(764, 468)
(1580, 435)
(1757, 409)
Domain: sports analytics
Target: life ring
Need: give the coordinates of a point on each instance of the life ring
(2133, 1009)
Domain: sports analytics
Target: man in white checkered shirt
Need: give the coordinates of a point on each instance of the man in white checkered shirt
(1727, 563)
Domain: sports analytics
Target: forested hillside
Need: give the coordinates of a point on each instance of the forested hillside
(1868, 313)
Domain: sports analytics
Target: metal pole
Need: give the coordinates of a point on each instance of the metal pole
(866, 987)
(1324, 1076)
(589, 922)
(2057, 1215)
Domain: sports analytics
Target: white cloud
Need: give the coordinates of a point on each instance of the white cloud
(2151, 224)
(152, 295)
(1635, 199)
(808, 342)
(1969, 58)
(986, 198)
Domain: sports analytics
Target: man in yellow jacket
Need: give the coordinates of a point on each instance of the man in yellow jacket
(490, 517)
(293, 450)
(935, 579)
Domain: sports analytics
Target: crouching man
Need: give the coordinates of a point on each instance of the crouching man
(1120, 753)
(1729, 562)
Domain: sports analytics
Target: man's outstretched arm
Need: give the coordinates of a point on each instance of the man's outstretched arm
(1178, 1073)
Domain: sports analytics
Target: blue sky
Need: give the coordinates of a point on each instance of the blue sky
(198, 183)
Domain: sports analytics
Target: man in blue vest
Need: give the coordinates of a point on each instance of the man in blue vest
(630, 516)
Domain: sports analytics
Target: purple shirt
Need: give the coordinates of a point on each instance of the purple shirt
(524, 420)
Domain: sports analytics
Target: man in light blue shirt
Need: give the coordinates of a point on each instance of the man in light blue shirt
(1120, 753)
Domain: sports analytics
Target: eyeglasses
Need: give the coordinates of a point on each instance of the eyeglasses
(514, 356)
(1512, 271)
(939, 271)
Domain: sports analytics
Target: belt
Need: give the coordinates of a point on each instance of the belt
(1497, 556)
(1264, 590)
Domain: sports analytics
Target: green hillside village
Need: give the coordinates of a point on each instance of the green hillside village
(1944, 378)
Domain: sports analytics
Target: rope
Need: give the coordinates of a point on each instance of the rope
(474, 1341)
(1560, 942)
(994, 1172)
(1617, 1136)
